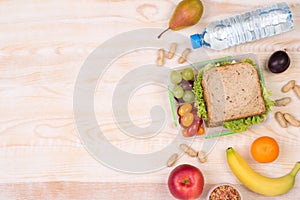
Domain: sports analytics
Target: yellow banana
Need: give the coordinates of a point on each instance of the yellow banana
(257, 182)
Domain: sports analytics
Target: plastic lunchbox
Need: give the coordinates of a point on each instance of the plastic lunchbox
(209, 132)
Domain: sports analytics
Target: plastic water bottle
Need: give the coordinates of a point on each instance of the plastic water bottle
(247, 27)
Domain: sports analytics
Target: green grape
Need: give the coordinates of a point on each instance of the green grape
(178, 91)
(188, 74)
(188, 96)
(176, 77)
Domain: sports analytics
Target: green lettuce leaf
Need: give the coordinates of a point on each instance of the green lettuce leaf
(198, 91)
(226, 62)
(248, 60)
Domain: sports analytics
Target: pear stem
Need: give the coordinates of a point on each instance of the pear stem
(295, 169)
(159, 36)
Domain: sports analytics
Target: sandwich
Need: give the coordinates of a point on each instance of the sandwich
(232, 95)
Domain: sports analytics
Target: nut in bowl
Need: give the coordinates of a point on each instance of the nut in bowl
(224, 191)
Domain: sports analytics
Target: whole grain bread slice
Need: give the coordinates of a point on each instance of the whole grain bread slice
(232, 92)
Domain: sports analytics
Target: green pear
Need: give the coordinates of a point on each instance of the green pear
(187, 13)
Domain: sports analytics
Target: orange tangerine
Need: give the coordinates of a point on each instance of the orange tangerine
(264, 149)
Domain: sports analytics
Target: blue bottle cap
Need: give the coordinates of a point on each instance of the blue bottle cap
(196, 41)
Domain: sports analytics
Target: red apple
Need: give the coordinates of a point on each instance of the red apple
(186, 182)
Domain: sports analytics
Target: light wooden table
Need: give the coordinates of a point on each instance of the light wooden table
(43, 45)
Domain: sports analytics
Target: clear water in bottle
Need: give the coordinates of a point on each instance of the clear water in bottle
(247, 27)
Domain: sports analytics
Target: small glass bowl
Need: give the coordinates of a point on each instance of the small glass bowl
(224, 184)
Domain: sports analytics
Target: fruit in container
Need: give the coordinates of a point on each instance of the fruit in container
(178, 91)
(186, 182)
(183, 85)
(197, 118)
(179, 100)
(188, 96)
(186, 85)
(200, 131)
(188, 74)
(187, 119)
(176, 77)
(185, 108)
(192, 129)
(184, 132)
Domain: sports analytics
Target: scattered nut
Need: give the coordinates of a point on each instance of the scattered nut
(201, 157)
(161, 57)
(283, 101)
(287, 87)
(297, 90)
(172, 50)
(188, 150)
(184, 55)
(172, 160)
(291, 119)
(281, 120)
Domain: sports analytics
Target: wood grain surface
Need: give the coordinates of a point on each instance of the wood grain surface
(43, 45)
